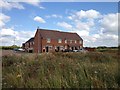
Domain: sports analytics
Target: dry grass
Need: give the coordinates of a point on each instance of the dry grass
(61, 70)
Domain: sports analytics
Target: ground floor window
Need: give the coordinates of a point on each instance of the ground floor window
(76, 48)
(30, 51)
(49, 48)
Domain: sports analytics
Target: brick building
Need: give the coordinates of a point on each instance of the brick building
(28, 45)
(51, 40)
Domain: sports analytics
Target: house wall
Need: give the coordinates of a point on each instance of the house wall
(37, 44)
(28, 46)
(40, 44)
(55, 44)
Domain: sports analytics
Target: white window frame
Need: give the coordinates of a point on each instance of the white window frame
(80, 42)
(30, 43)
(50, 47)
(75, 41)
(48, 40)
(65, 41)
(70, 41)
(61, 47)
(59, 40)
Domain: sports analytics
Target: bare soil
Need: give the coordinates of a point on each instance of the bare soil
(9, 52)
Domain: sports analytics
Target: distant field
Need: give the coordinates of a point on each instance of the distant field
(60, 70)
(9, 52)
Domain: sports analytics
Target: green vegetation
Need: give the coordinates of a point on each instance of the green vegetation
(107, 49)
(9, 47)
(61, 70)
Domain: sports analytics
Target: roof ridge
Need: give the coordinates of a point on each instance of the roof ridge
(57, 31)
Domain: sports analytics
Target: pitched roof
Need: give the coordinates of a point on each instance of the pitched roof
(30, 40)
(53, 34)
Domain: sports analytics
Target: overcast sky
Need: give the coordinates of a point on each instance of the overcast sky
(95, 22)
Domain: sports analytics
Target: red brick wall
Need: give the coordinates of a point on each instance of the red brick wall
(28, 45)
(37, 44)
(54, 43)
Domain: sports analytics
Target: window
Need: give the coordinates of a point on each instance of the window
(70, 41)
(65, 41)
(50, 47)
(80, 42)
(80, 47)
(59, 40)
(31, 43)
(48, 40)
(55, 47)
(75, 41)
(28, 44)
(61, 47)
(65, 47)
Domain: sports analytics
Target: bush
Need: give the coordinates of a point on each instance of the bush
(9, 47)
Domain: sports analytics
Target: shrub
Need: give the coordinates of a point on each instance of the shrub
(9, 47)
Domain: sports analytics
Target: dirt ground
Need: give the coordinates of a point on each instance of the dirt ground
(6, 52)
(9, 52)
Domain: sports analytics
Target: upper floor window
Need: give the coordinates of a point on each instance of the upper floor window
(48, 40)
(65, 41)
(59, 40)
(30, 43)
(80, 42)
(75, 41)
(70, 41)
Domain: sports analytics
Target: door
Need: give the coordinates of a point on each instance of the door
(47, 49)
(72, 48)
(58, 48)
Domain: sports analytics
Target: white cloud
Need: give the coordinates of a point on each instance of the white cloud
(89, 14)
(18, 5)
(34, 3)
(109, 23)
(41, 7)
(84, 20)
(8, 35)
(82, 32)
(70, 17)
(82, 26)
(95, 29)
(39, 19)
(3, 19)
(100, 40)
(7, 32)
(64, 25)
(54, 16)
(9, 5)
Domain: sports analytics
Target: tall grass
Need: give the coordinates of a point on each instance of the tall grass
(61, 70)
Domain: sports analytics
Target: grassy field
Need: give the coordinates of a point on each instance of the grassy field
(61, 70)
